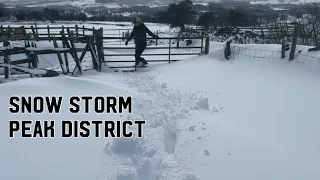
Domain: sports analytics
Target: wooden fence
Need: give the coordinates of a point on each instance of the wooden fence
(46, 32)
(94, 40)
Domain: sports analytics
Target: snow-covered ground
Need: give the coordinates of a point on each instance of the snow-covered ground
(81, 4)
(77, 3)
(246, 118)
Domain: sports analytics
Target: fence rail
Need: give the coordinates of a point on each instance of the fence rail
(94, 40)
(37, 32)
(170, 51)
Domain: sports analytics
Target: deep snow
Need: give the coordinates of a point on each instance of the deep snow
(246, 118)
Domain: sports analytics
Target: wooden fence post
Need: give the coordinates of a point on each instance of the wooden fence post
(227, 50)
(201, 50)
(206, 48)
(34, 56)
(77, 33)
(49, 33)
(100, 47)
(7, 69)
(283, 49)
(95, 53)
(2, 31)
(66, 58)
(157, 39)
(119, 36)
(36, 26)
(62, 29)
(55, 44)
(73, 50)
(8, 31)
(178, 40)
(93, 34)
(170, 50)
(294, 42)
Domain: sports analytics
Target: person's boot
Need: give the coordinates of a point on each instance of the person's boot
(139, 64)
(143, 61)
(136, 63)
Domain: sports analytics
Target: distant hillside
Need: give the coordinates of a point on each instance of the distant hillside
(125, 3)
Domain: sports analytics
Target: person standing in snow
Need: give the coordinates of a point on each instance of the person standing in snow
(140, 31)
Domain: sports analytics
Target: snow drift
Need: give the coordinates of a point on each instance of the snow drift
(206, 119)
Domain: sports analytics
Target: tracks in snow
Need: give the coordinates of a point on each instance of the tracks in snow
(153, 157)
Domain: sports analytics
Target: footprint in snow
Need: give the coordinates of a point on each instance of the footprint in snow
(206, 152)
(192, 128)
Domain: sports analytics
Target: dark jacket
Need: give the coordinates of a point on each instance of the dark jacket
(140, 33)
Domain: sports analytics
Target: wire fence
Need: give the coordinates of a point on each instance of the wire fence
(303, 58)
(238, 51)
(216, 46)
(254, 53)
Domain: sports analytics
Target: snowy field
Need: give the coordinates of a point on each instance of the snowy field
(245, 119)
(106, 25)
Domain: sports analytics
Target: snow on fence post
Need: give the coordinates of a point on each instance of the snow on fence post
(206, 48)
(283, 49)
(294, 42)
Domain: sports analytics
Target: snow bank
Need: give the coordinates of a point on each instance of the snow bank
(55, 158)
(206, 119)
(262, 122)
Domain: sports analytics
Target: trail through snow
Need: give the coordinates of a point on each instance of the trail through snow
(153, 157)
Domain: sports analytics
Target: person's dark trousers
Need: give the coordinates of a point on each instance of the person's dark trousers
(138, 58)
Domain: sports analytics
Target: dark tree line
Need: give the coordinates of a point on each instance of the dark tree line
(178, 14)
(50, 15)
(215, 15)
